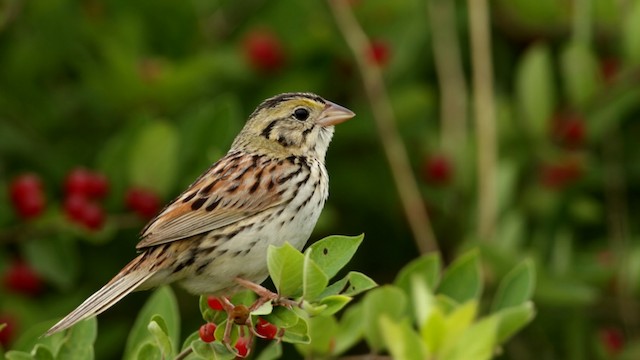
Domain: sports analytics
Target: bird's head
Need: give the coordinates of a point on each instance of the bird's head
(292, 123)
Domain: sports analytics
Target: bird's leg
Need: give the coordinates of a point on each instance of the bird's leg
(238, 315)
(264, 295)
(228, 308)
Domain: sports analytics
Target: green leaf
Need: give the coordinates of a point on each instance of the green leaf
(42, 352)
(55, 258)
(434, 331)
(580, 73)
(322, 332)
(458, 321)
(158, 328)
(334, 252)
(535, 88)
(333, 304)
(386, 300)
(220, 329)
(271, 352)
(79, 341)
(351, 328)
(154, 158)
(190, 339)
(32, 336)
(427, 267)
(462, 281)
(297, 334)
(422, 299)
(352, 284)
(401, 340)
(148, 350)
(285, 268)
(314, 281)
(512, 319)
(446, 304)
(264, 309)
(18, 355)
(211, 351)
(162, 302)
(516, 287)
(282, 317)
(630, 35)
(477, 342)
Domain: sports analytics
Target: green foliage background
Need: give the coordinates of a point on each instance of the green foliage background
(151, 92)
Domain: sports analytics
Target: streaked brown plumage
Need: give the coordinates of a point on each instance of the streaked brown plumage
(267, 190)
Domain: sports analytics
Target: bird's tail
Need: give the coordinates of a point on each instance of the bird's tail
(127, 280)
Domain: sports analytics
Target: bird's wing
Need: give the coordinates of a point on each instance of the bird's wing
(235, 188)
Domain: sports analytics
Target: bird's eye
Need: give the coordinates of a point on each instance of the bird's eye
(301, 114)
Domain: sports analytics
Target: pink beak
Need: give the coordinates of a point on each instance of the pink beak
(334, 114)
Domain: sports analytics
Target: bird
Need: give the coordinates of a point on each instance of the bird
(212, 239)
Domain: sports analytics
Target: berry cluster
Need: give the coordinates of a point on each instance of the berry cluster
(83, 189)
(263, 329)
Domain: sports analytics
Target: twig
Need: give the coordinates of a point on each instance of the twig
(385, 122)
(453, 86)
(183, 355)
(484, 117)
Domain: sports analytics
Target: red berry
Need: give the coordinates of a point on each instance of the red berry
(74, 205)
(142, 201)
(264, 51)
(27, 196)
(569, 129)
(242, 346)
(379, 52)
(23, 184)
(609, 67)
(84, 182)
(208, 332)
(21, 278)
(77, 182)
(7, 333)
(266, 329)
(92, 216)
(98, 186)
(437, 170)
(612, 339)
(559, 175)
(214, 303)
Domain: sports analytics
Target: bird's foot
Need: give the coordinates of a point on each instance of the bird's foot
(265, 295)
(238, 315)
(241, 314)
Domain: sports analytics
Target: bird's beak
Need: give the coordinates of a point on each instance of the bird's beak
(334, 114)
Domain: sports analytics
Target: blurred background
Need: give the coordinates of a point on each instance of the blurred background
(109, 109)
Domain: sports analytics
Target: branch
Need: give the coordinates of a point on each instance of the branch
(484, 116)
(453, 87)
(386, 125)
